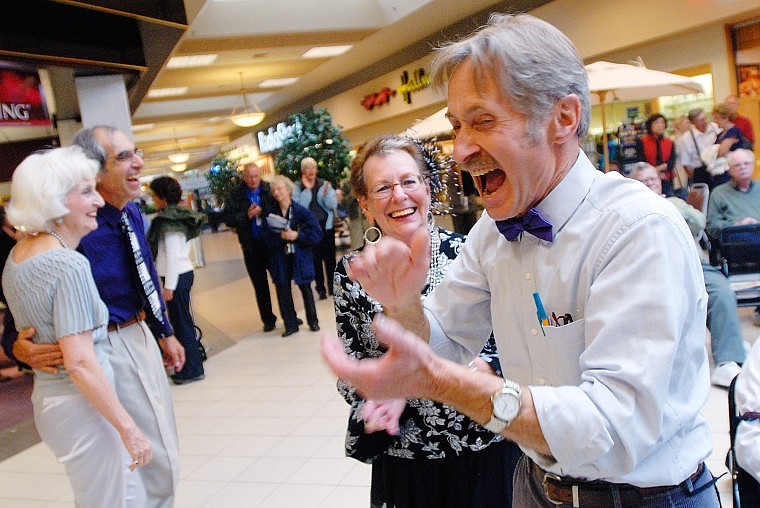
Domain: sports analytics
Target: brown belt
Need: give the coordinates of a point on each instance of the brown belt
(140, 316)
(598, 494)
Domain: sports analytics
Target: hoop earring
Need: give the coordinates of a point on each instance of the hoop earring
(372, 235)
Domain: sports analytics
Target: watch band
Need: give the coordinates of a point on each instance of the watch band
(496, 424)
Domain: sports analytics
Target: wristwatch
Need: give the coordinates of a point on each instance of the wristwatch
(506, 406)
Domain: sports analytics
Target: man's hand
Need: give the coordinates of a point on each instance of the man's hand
(393, 272)
(404, 371)
(254, 211)
(173, 352)
(44, 357)
(382, 415)
(168, 294)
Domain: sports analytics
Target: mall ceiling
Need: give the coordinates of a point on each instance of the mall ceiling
(259, 40)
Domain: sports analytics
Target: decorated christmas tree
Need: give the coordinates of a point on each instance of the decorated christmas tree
(223, 177)
(314, 135)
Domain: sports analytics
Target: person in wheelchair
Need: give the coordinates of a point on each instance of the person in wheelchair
(736, 202)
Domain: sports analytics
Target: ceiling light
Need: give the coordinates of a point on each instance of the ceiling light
(178, 62)
(178, 167)
(277, 82)
(246, 117)
(178, 156)
(325, 51)
(167, 92)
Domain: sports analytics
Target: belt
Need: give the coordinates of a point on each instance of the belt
(598, 494)
(140, 316)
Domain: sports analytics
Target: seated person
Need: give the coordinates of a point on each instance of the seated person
(747, 397)
(736, 202)
(726, 339)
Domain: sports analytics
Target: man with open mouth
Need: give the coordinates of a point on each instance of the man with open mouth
(601, 336)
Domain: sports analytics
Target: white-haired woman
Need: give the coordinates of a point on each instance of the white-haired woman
(290, 232)
(49, 287)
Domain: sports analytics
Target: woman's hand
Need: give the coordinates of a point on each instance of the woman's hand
(382, 415)
(138, 446)
(289, 235)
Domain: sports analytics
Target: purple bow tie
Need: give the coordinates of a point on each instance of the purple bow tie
(532, 222)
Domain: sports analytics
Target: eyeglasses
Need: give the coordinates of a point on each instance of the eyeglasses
(128, 155)
(384, 190)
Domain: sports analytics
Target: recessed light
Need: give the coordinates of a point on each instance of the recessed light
(167, 92)
(277, 82)
(325, 51)
(178, 62)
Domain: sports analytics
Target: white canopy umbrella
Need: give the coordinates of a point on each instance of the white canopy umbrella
(625, 82)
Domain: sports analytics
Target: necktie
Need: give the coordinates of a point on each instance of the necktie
(532, 222)
(142, 270)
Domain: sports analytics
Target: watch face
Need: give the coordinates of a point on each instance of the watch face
(506, 406)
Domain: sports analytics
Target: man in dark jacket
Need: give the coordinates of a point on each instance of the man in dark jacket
(245, 210)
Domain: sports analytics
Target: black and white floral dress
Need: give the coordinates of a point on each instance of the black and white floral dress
(436, 443)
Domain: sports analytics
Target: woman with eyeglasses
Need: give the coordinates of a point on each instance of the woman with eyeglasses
(423, 453)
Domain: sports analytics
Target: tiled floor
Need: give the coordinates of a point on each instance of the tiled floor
(265, 428)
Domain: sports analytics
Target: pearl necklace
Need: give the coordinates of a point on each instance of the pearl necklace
(436, 272)
(55, 234)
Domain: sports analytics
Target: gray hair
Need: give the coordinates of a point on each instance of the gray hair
(309, 161)
(285, 181)
(40, 185)
(694, 114)
(86, 139)
(533, 63)
(640, 167)
(730, 155)
(382, 145)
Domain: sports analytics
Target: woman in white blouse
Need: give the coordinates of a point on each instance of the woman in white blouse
(169, 236)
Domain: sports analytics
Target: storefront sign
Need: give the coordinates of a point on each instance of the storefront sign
(22, 103)
(418, 81)
(271, 140)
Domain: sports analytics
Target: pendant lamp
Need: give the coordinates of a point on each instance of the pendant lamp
(246, 117)
(178, 157)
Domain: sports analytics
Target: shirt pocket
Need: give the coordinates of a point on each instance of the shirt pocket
(564, 346)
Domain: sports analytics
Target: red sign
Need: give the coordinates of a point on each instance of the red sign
(22, 103)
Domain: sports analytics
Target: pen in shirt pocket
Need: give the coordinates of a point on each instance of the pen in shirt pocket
(543, 319)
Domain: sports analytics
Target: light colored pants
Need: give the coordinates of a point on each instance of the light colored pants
(96, 461)
(143, 390)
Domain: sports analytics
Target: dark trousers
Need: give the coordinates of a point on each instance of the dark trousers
(184, 327)
(701, 175)
(256, 265)
(285, 300)
(324, 255)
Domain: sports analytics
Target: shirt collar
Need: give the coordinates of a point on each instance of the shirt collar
(110, 215)
(567, 196)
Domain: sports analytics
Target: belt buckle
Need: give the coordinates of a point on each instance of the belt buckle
(550, 476)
